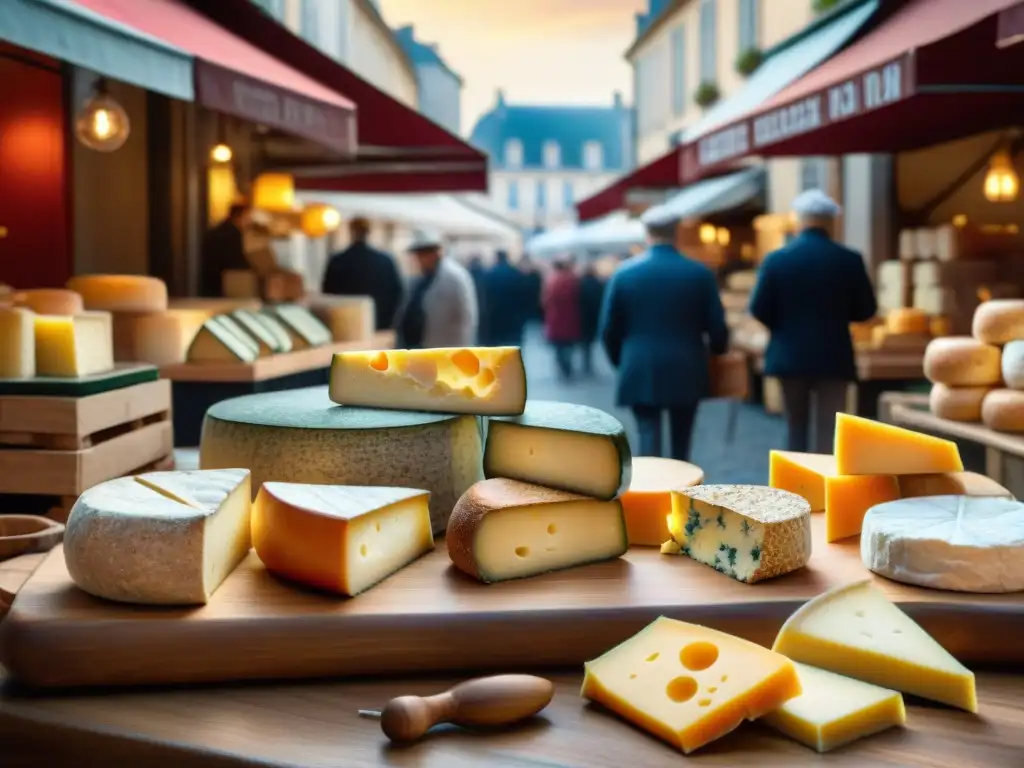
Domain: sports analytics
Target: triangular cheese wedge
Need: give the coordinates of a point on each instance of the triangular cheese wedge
(866, 447)
(802, 473)
(205, 489)
(855, 630)
(834, 710)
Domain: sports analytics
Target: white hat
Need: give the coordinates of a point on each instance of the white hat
(425, 240)
(658, 216)
(815, 204)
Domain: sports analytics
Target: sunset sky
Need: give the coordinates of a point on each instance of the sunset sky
(538, 51)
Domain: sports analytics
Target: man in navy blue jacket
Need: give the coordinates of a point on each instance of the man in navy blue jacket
(661, 319)
(807, 294)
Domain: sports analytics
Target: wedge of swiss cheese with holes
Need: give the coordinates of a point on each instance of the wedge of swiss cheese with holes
(687, 684)
(489, 381)
(867, 447)
(854, 630)
(504, 529)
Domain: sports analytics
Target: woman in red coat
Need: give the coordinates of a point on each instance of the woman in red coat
(562, 322)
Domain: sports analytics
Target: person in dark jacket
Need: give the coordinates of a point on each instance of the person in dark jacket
(223, 249)
(591, 293)
(807, 294)
(660, 318)
(477, 270)
(362, 270)
(533, 288)
(507, 302)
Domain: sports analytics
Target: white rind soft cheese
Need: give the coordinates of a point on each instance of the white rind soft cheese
(958, 543)
(165, 538)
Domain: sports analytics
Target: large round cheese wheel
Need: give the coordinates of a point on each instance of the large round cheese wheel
(300, 436)
(1013, 364)
(999, 321)
(50, 301)
(960, 543)
(907, 320)
(960, 361)
(1003, 410)
(957, 403)
(121, 293)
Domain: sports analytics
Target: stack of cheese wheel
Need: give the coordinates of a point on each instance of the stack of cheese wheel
(1000, 323)
(963, 370)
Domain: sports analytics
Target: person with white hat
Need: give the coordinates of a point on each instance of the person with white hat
(661, 320)
(442, 309)
(807, 294)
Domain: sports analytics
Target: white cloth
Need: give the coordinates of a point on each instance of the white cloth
(449, 307)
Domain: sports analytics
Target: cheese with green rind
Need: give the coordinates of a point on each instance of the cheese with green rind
(216, 342)
(305, 327)
(255, 327)
(300, 436)
(565, 446)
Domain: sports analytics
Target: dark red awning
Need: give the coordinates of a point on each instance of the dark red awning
(929, 73)
(400, 150)
(235, 77)
(662, 173)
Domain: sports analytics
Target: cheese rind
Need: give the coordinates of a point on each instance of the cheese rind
(867, 447)
(748, 532)
(163, 338)
(481, 380)
(960, 361)
(959, 543)
(565, 446)
(503, 529)
(849, 497)
(300, 436)
(854, 630)
(121, 293)
(957, 403)
(689, 685)
(17, 343)
(801, 473)
(834, 710)
(343, 539)
(1003, 410)
(50, 301)
(74, 345)
(999, 321)
(647, 503)
(951, 484)
(249, 322)
(304, 327)
(135, 541)
(219, 342)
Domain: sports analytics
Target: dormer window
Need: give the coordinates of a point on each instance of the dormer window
(593, 156)
(552, 154)
(514, 153)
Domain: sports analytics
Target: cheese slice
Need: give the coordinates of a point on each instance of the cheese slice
(950, 484)
(166, 538)
(647, 503)
(50, 301)
(74, 345)
(305, 329)
(866, 447)
(748, 532)
(121, 293)
(17, 343)
(834, 710)
(254, 329)
(959, 543)
(854, 630)
(689, 685)
(265, 328)
(342, 539)
(801, 473)
(570, 447)
(487, 381)
(218, 342)
(849, 497)
(504, 529)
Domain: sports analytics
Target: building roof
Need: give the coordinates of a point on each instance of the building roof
(570, 126)
(422, 54)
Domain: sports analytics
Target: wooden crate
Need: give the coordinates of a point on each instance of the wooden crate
(60, 446)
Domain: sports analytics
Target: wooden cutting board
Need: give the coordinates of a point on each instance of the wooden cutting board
(429, 617)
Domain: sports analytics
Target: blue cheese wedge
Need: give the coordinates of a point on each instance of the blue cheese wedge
(748, 532)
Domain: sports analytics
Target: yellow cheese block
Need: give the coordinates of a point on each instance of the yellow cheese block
(834, 710)
(687, 684)
(855, 630)
(866, 447)
(801, 473)
(951, 484)
(121, 293)
(74, 345)
(907, 320)
(17, 343)
(647, 503)
(342, 539)
(484, 380)
(50, 301)
(849, 497)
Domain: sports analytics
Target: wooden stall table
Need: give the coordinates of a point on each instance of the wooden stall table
(997, 454)
(197, 386)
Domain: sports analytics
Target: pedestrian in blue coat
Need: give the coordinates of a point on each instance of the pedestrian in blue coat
(661, 319)
(807, 294)
(507, 303)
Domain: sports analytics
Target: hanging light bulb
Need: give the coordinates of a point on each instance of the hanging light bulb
(221, 153)
(102, 124)
(1001, 182)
